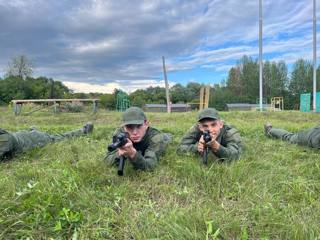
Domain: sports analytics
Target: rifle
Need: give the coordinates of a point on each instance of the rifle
(117, 142)
(207, 138)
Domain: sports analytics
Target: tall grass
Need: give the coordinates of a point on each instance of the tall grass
(66, 191)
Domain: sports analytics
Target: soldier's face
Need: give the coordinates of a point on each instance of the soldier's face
(213, 126)
(136, 131)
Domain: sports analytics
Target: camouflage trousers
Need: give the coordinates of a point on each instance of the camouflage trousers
(309, 137)
(22, 141)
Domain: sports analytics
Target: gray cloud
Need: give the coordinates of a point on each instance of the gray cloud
(100, 42)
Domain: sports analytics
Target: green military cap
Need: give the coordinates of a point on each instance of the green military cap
(210, 113)
(133, 115)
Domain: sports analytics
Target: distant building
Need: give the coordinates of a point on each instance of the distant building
(179, 107)
(245, 106)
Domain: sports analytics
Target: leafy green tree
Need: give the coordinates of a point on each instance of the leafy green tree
(194, 91)
(180, 94)
(233, 81)
(243, 80)
(301, 81)
(139, 98)
(108, 101)
(12, 88)
(220, 96)
(249, 79)
(301, 77)
(156, 95)
(275, 79)
(30, 88)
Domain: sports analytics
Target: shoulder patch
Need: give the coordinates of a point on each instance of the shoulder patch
(232, 131)
(157, 138)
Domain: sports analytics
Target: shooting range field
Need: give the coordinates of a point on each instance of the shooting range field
(66, 191)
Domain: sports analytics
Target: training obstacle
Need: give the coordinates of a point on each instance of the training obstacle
(17, 104)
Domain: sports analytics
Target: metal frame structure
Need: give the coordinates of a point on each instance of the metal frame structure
(123, 101)
(17, 104)
(277, 104)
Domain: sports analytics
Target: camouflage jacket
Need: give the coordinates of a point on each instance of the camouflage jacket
(229, 138)
(149, 150)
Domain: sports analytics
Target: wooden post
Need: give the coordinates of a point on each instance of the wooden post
(206, 97)
(201, 98)
(95, 106)
(166, 84)
(55, 107)
(17, 108)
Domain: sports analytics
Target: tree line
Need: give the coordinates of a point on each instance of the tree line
(240, 86)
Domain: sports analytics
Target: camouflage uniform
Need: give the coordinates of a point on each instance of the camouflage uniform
(309, 137)
(22, 141)
(149, 149)
(228, 138)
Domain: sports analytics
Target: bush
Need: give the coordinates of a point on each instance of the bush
(74, 107)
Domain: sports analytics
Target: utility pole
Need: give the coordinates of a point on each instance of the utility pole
(167, 85)
(52, 89)
(314, 57)
(260, 53)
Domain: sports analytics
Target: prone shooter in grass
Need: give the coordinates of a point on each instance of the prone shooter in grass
(143, 146)
(307, 137)
(12, 143)
(210, 136)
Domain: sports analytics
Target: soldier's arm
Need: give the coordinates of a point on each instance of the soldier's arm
(189, 142)
(233, 148)
(152, 154)
(112, 158)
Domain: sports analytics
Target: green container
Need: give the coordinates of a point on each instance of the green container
(318, 102)
(305, 100)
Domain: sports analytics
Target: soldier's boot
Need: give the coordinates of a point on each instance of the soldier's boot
(88, 128)
(5, 144)
(267, 129)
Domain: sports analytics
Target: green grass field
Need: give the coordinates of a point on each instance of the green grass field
(66, 191)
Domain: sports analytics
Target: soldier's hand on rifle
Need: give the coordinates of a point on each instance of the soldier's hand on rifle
(214, 145)
(201, 145)
(127, 150)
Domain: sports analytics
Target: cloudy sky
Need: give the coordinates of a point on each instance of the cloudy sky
(96, 45)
